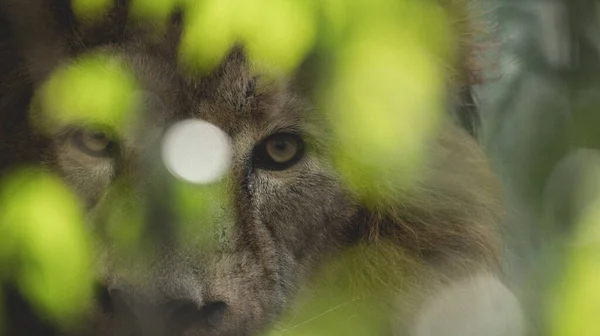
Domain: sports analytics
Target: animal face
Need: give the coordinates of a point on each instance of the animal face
(283, 205)
(230, 257)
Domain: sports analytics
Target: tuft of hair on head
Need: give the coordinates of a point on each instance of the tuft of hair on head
(470, 28)
(472, 33)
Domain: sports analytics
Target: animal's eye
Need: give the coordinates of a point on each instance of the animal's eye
(279, 151)
(92, 142)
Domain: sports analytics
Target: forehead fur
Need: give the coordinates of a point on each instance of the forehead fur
(231, 96)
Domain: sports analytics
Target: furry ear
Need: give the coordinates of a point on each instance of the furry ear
(414, 244)
(467, 113)
(48, 31)
(36, 26)
(307, 78)
(470, 32)
(29, 50)
(449, 219)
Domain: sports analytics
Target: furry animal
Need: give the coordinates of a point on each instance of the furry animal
(288, 221)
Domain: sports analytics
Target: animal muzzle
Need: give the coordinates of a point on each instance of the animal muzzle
(135, 314)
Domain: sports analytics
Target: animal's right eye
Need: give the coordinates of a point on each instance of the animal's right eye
(92, 142)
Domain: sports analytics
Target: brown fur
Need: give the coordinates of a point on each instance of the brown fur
(282, 228)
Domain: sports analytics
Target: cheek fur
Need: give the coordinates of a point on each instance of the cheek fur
(305, 215)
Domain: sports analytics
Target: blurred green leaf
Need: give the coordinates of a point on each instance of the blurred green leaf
(201, 213)
(576, 304)
(157, 10)
(388, 98)
(94, 89)
(278, 33)
(208, 33)
(122, 220)
(352, 295)
(91, 9)
(41, 225)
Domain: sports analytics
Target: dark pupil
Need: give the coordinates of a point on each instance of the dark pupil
(98, 135)
(280, 145)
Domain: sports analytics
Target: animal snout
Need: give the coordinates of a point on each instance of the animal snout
(168, 316)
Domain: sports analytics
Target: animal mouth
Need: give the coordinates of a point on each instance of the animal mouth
(172, 318)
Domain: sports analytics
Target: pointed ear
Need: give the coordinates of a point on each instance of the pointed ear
(308, 79)
(449, 219)
(36, 26)
(465, 109)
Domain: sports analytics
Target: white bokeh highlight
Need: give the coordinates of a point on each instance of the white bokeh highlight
(477, 306)
(196, 151)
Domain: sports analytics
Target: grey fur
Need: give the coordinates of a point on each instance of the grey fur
(278, 227)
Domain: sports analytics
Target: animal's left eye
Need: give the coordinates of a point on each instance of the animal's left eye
(278, 152)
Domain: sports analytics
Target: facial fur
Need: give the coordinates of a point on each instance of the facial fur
(278, 228)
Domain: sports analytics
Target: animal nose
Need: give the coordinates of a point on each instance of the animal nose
(171, 317)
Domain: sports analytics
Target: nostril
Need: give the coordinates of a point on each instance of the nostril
(184, 313)
(121, 303)
(123, 306)
(103, 298)
(112, 300)
(180, 309)
(212, 313)
(175, 315)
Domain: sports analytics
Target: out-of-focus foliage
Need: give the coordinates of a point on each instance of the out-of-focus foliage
(200, 209)
(386, 93)
(123, 217)
(96, 89)
(390, 79)
(44, 244)
(576, 307)
(91, 9)
(40, 222)
(383, 48)
(274, 32)
(392, 60)
(351, 295)
(540, 109)
(157, 10)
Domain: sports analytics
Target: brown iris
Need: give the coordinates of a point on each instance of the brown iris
(92, 142)
(278, 151)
